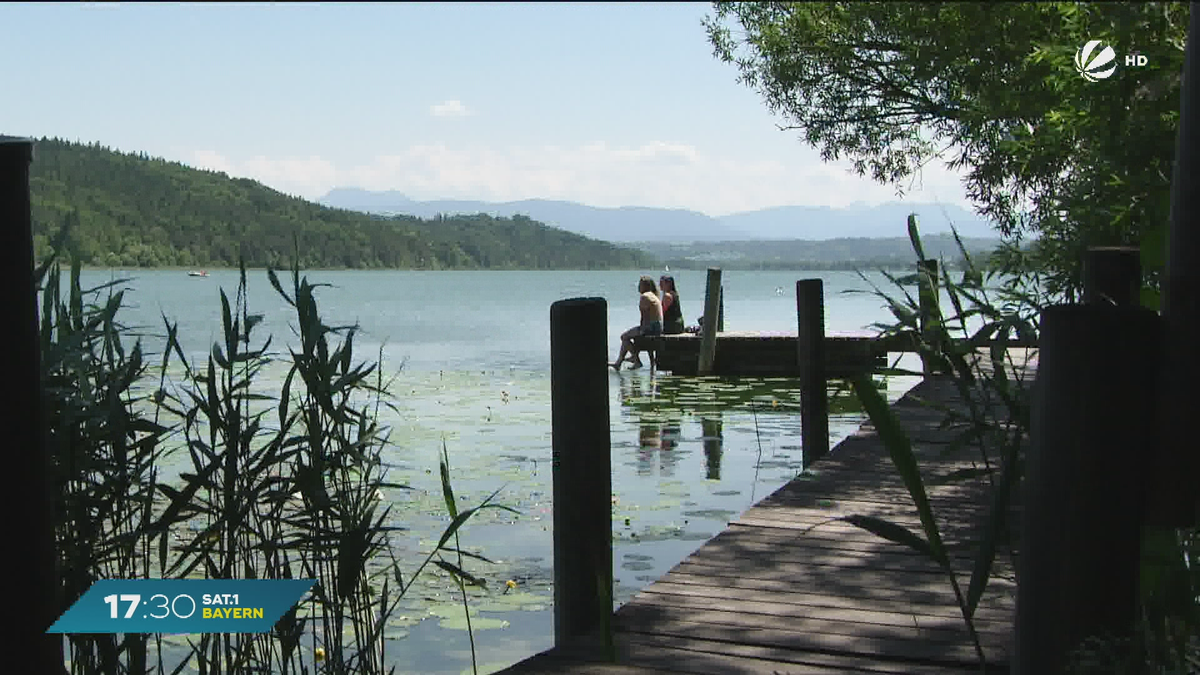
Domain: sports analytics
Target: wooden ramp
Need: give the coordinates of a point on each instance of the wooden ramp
(785, 590)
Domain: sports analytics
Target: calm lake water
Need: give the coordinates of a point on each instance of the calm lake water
(471, 356)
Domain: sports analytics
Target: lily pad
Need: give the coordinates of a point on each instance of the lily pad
(477, 623)
(450, 610)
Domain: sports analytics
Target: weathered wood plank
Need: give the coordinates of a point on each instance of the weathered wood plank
(942, 605)
(742, 612)
(788, 588)
(928, 590)
(867, 642)
(737, 658)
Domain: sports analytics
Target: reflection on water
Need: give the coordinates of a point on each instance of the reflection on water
(712, 447)
(688, 454)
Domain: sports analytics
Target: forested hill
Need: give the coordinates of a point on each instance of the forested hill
(133, 210)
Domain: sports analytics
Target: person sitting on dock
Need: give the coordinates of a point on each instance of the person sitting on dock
(652, 322)
(672, 311)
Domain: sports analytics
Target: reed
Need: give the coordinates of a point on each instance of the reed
(1000, 300)
(286, 485)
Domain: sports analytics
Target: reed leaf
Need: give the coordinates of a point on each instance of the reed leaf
(900, 451)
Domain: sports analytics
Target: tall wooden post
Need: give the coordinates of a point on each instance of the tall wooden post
(1084, 487)
(810, 357)
(582, 468)
(29, 462)
(928, 301)
(721, 311)
(708, 332)
(1176, 498)
(1112, 275)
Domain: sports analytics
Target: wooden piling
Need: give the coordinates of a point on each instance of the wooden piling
(1176, 496)
(810, 357)
(582, 468)
(721, 311)
(1112, 275)
(708, 332)
(29, 464)
(1084, 487)
(929, 308)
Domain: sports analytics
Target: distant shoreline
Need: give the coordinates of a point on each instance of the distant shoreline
(674, 265)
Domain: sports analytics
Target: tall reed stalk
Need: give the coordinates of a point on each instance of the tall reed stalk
(996, 303)
(277, 486)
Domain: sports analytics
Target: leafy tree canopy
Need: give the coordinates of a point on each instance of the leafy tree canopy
(991, 89)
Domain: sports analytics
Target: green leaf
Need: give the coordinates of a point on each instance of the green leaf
(447, 491)
(892, 532)
(900, 450)
(274, 278)
(996, 526)
(914, 237)
(457, 571)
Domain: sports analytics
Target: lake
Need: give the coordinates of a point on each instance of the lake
(471, 356)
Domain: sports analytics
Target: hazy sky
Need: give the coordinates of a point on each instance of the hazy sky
(606, 104)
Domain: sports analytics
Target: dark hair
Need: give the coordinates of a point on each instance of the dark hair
(667, 277)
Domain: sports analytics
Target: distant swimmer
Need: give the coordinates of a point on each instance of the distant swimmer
(779, 290)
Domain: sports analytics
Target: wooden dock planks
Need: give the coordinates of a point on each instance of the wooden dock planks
(788, 589)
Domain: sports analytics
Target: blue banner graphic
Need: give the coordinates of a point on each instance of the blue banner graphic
(182, 606)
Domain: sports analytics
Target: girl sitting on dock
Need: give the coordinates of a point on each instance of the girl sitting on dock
(652, 322)
(672, 311)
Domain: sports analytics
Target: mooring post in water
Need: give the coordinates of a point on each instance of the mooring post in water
(708, 331)
(29, 463)
(928, 308)
(582, 468)
(721, 311)
(1084, 487)
(1112, 275)
(1176, 498)
(810, 357)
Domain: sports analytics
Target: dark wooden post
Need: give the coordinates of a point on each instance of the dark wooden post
(1112, 275)
(1084, 488)
(928, 307)
(28, 463)
(721, 311)
(810, 357)
(708, 332)
(1176, 499)
(582, 473)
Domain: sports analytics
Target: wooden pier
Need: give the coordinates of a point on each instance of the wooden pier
(764, 354)
(786, 589)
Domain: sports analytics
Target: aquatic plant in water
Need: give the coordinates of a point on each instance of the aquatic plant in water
(287, 486)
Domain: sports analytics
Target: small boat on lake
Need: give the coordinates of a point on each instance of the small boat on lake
(195, 273)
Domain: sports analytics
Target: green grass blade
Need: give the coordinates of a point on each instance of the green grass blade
(461, 573)
(996, 526)
(914, 236)
(892, 532)
(447, 491)
(900, 450)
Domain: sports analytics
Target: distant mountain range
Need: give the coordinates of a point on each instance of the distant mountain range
(649, 224)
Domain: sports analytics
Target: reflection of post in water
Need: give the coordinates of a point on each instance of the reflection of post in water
(634, 385)
(667, 457)
(661, 437)
(712, 440)
(649, 438)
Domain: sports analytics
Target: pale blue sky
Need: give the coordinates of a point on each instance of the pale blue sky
(606, 104)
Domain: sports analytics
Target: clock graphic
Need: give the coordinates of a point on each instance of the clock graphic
(181, 606)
